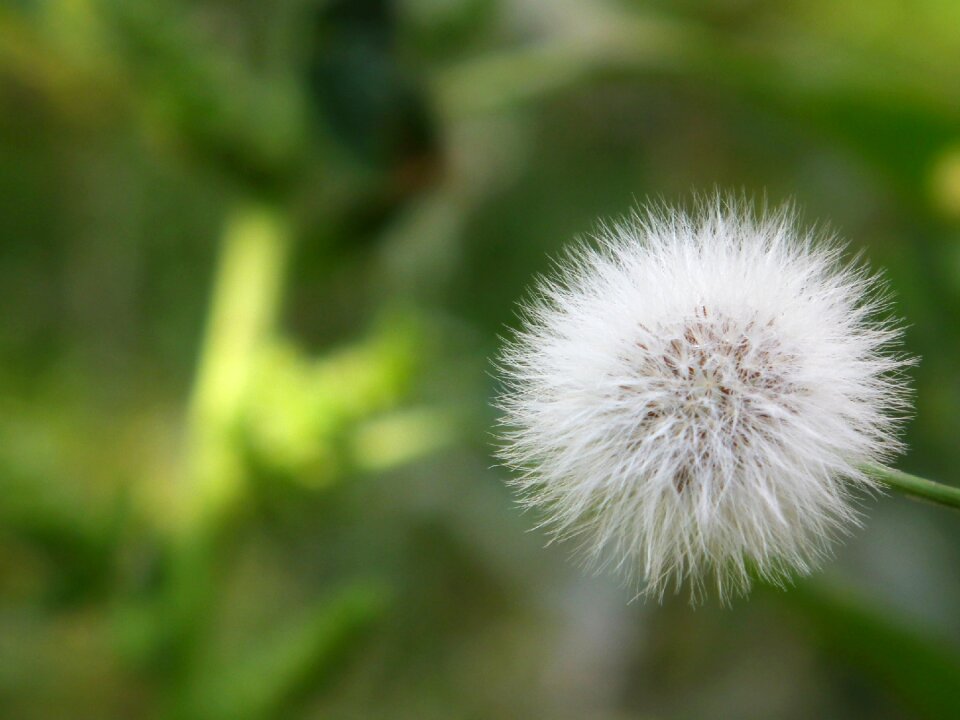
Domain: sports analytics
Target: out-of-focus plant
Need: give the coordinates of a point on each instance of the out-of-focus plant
(320, 102)
(259, 405)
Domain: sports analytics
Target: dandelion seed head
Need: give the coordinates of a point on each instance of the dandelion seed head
(692, 396)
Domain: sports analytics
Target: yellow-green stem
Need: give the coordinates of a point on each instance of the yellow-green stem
(244, 304)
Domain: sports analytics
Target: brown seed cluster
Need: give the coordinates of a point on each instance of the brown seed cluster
(718, 377)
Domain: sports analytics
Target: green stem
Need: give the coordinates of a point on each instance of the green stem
(914, 486)
(246, 296)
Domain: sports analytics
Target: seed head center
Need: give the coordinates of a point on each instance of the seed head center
(716, 381)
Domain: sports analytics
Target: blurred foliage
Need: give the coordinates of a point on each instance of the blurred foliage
(255, 257)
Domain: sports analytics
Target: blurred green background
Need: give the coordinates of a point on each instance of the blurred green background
(254, 259)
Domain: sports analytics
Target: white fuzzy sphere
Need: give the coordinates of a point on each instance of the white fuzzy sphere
(693, 396)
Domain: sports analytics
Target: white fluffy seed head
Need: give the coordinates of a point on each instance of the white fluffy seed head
(693, 396)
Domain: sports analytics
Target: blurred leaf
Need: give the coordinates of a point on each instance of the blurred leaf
(300, 411)
(219, 108)
(75, 523)
(361, 87)
(284, 669)
(401, 437)
(919, 669)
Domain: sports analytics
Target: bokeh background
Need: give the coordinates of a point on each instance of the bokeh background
(254, 260)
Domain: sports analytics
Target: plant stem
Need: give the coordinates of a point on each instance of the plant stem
(246, 295)
(245, 298)
(916, 487)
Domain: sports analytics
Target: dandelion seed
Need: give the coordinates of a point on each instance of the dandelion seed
(693, 396)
